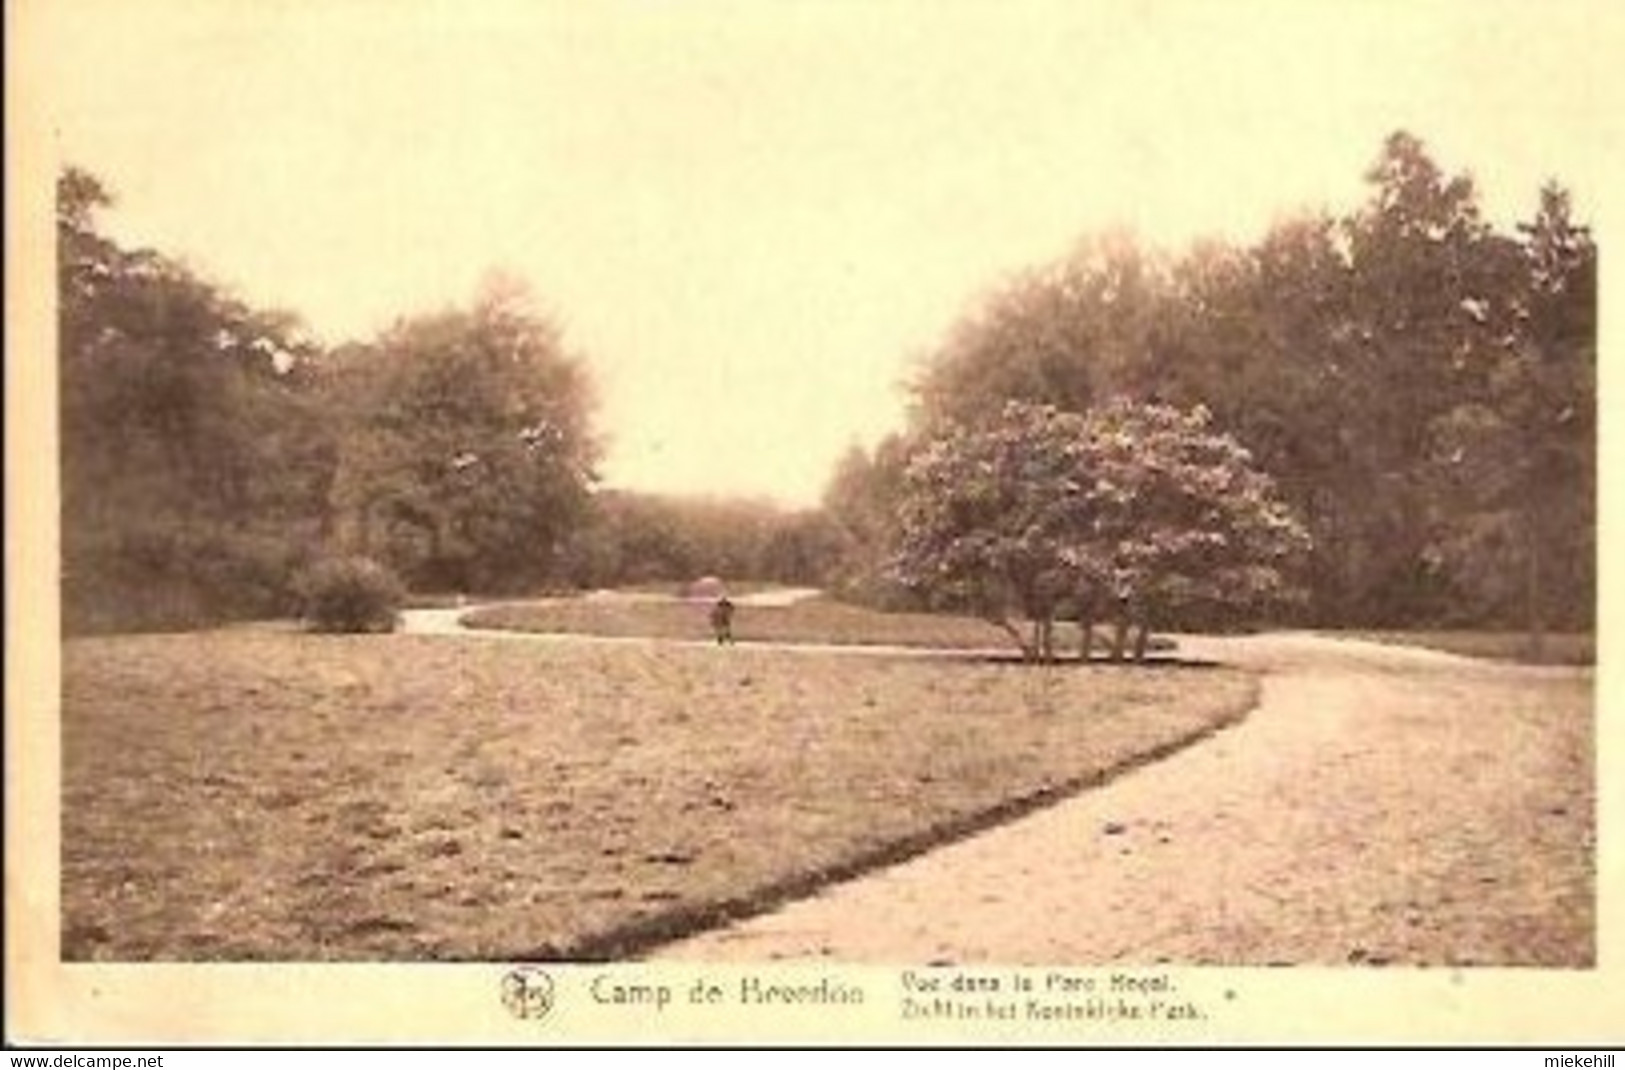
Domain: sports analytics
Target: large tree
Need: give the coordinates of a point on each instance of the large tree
(1516, 456)
(1133, 513)
(467, 455)
(193, 461)
(1085, 328)
(1421, 261)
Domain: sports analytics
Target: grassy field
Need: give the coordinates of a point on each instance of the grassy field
(817, 620)
(1557, 648)
(253, 795)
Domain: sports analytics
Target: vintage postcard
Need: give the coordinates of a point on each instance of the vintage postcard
(541, 523)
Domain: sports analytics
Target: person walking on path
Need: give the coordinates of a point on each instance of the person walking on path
(722, 620)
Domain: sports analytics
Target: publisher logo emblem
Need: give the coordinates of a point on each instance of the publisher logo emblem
(527, 992)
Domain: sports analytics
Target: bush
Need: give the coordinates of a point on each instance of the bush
(351, 594)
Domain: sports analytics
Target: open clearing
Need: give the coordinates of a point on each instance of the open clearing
(255, 794)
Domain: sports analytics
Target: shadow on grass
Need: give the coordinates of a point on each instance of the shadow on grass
(635, 939)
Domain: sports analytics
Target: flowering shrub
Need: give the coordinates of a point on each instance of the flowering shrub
(1131, 513)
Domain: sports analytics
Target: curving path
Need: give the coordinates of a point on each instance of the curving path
(1381, 805)
(448, 620)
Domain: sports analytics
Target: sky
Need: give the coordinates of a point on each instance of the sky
(753, 220)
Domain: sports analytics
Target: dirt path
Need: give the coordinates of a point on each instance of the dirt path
(1383, 804)
(448, 620)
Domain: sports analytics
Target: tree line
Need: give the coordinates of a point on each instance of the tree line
(1420, 387)
(213, 453)
(1414, 389)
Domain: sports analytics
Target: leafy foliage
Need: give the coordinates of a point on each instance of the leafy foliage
(1132, 512)
(1421, 387)
(350, 594)
(466, 457)
(1516, 456)
(860, 503)
(1185, 526)
(192, 457)
(211, 450)
(998, 519)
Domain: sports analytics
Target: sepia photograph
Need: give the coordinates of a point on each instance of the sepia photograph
(960, 523)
